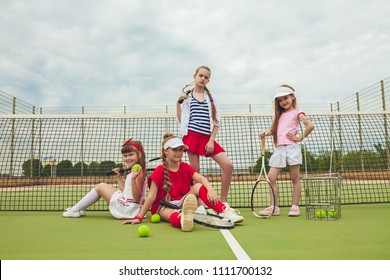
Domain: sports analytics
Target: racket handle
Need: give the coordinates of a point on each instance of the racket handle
(263, 146)
(181, 101)
(121, 170)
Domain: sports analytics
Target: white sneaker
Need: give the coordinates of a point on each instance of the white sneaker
(235, 210)
(267, 211)
(83, 213)
(294, 211)
(187, 214)
(71, 214)
(231, 215)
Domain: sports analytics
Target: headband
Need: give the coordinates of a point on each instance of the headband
(131, 143)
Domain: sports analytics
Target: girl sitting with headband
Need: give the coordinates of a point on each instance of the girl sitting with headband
(126, 202)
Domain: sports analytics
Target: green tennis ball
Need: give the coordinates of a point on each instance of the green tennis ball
(333, 214)
(155, 218)
(136, 167)
(143, 231)
(320, 214)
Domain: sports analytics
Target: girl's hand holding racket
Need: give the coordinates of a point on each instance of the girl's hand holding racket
(117, 172)
(264, 133)
(186, 91)
(182, 97)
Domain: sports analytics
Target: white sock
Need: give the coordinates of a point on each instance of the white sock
(89, 199)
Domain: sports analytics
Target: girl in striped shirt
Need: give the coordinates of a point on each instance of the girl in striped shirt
(199, 120)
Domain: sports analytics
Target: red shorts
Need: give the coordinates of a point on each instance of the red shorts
(196, 143)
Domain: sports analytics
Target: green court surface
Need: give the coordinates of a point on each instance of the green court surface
(362, 233)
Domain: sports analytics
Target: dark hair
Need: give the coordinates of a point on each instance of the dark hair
(134, 146)
(278, 112)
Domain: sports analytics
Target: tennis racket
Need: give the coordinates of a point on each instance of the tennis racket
(263, 194)
(208, 219)
(121, 170)
(187, 89)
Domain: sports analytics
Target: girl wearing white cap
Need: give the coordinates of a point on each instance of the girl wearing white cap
(173, 181)
(200, 120)
(284, 130)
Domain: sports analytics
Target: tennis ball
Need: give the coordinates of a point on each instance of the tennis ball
(143, 231)
(136, 167)
(333, 214)
(320, 214)
(155, 218)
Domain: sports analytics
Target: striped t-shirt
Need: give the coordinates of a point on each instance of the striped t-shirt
(199, 116)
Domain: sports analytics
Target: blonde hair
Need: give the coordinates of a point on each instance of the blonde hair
(167, 184)
(213, 108)
(278, 112)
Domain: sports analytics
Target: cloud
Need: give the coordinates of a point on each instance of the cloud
(116, 53)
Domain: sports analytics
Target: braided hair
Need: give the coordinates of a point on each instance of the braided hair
(167, 184)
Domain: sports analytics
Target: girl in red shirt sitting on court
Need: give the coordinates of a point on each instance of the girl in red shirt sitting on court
(173, 181)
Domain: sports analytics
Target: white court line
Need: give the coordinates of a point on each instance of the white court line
(234, 245)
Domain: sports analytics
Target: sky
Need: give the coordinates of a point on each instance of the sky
(142, 52)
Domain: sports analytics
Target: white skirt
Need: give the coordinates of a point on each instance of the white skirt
(122, 208)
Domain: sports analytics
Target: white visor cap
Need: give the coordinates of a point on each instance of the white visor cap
(174, 143)
(283, 91)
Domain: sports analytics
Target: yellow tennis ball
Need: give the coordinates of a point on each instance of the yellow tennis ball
(320, 214)
(136, 167)
(155, 218)
(333, 214)
(143, 231)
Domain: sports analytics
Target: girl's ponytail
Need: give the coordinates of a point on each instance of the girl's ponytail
(167, 183)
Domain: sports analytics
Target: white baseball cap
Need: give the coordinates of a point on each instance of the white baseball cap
(174, 143)
(283, 91)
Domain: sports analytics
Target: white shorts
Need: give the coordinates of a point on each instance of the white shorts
(122, 208)
(178, 203)
(287, 154)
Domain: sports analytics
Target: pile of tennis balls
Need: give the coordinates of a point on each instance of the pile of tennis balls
(321, 214)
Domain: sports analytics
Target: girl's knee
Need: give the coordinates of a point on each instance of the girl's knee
(227, 166)
(100, 186)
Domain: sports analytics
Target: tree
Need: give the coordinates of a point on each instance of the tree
(65, 168)
(106, 166)
(93, 169)
(46, 170)
(80, 169)
(32, 168)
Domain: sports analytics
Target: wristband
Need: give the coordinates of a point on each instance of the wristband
(138, 218)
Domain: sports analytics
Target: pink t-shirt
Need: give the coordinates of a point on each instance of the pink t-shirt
(181, 181)
(288, 123)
